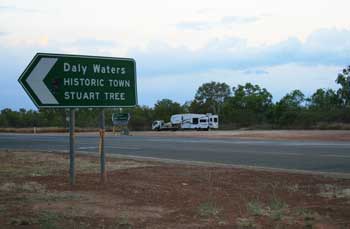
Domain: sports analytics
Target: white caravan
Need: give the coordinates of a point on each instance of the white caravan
(188, 121)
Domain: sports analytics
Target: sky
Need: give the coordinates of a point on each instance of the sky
(179, 45)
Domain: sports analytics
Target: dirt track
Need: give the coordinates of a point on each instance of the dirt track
(319, 135)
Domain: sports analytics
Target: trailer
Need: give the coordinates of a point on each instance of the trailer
(188, 122)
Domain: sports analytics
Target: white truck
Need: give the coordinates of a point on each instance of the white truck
(188, 122)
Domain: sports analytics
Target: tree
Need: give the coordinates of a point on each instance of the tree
(248, 105)
(288, 109)
(211, 96)
(186, 107)
(344, 91)
(141, 117)
(292, 101)
(251, 97)
(10, 118)
(52, 117)
(199, 107)
(89, 117)
(324, 100)
(164, 108)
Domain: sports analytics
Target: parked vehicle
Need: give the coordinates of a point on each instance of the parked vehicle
(188, 122)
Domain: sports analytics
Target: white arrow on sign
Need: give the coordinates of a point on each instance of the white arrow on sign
(36, 80)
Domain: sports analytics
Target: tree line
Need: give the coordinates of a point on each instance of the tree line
(242, 106)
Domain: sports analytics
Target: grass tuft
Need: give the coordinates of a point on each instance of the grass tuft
(123, 223)
(49, 220)
(277, 209)
(208, 209)
(22, 221)
(255, 208)
(245, 223)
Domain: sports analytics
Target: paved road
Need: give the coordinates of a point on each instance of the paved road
(301, 155)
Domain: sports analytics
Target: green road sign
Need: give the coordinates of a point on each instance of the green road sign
(56, 80)
(120, 117)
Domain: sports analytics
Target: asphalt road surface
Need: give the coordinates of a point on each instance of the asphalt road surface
(301, 155)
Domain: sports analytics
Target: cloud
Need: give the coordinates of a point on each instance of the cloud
(278, 80)
(255, 72)
(3, 34)
(223, 22)
(239, 20)
(8, 8)
(12, 64)
(4, 8)
(93, 42)
(194, 25)
(328, 47)
(88, 46)
(322, 39)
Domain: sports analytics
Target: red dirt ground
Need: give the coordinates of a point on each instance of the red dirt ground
(173, 196)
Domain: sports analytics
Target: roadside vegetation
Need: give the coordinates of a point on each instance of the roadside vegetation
(242, 106)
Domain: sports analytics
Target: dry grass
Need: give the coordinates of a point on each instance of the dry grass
(245, 223)
(30, 130)
(54, 164)
(35, 192)
(333, 191)
(34, 130)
